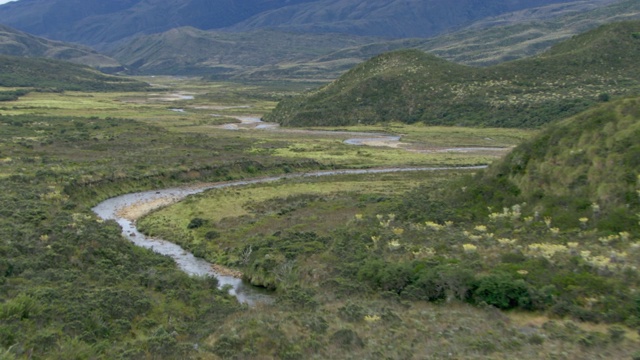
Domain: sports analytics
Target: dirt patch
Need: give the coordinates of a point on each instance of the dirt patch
(224, 271)
(139, 209)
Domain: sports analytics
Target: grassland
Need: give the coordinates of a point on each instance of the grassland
(362, 253)
(340, 292)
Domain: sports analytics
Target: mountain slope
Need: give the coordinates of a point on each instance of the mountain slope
(412, 87)
(398, 19)
(525, 33)
(101, 24)
(188, 50)
(266, 54)
(17, 43)
(96, 22)
(60, 75)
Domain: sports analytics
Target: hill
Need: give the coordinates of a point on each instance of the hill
(17, 43)
(103, 24)
(583, 167)
(188, 50)
(51, 74)
(558, 215)
(410, 86)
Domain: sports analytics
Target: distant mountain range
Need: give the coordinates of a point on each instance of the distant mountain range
(17, 43)
(411, 86)
(267, 54)
(100, 23)
(313, 39)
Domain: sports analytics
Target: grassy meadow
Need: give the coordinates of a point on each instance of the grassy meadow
(348, 256)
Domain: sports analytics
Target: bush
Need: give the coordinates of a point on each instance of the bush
(351, 312)
(196, 223)
(212, 235)
(502, 291)
(346, 338)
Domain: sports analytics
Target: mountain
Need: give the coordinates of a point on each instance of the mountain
(187, 50)
(98, 22)
(270, 54)
(17, 43)
(412, 86)
(525, 33)
(102, 24)
(48, 74)
(384, 18)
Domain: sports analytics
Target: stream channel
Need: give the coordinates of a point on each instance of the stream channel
(245, 293)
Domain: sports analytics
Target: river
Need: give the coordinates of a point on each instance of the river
(111, 209)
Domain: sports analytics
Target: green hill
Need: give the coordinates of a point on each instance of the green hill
(410, 86)
(18, 43)
(584, 167)
(53, 74)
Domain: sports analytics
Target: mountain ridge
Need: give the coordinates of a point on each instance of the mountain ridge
(98, 24)
(17, 43)
(310, 56)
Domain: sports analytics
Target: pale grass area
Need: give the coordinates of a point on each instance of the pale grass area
(521, 319)
(139, 209)
(219, 204)
(419, 331)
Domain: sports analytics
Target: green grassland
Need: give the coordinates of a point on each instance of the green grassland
(391, 265)
(214, 104)
(358, 249)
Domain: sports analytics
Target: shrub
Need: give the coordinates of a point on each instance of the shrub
(346, 338)
(212, 235)
(196, 223)
(351, 312)
(502, 291)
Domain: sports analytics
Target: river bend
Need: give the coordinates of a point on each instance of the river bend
(187, 262)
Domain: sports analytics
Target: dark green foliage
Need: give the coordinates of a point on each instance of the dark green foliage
(297, 297)
(212, 235)
(503, 292)
(419, 206)
(410, 86)
(352, 312)
(196, 223)
(12, 95)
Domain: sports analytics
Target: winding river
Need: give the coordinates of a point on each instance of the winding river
(112, 209)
